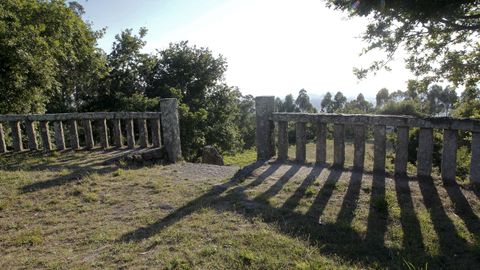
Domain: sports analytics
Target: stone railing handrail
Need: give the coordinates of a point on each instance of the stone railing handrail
(76, 116)
(388, 120)
(163, 127)
(266, 119)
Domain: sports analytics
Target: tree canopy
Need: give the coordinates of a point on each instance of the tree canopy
(441, 37)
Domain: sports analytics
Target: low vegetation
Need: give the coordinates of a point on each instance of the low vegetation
(78, 210)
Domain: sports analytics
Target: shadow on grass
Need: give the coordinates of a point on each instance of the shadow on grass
(340, 238)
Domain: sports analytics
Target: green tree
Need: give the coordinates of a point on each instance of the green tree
(327, 103)
(339, 101)
(129, 69)
(382, 97)
(440, 37)
(208, 107)
(48, 56)
(289, 104)
(358, 105)
(303, 102)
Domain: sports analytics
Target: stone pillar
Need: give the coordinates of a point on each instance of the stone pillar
(31, 135)
(301, 141)
(321, 144)
(156, 136)
(59, 136)
(475, 160)
(425, 152)
(264, 107)
(359, 144)
(103, 128)
(130, 134)
(401, 151)
(338, 145)
(117, 133)
(282, 140)
(89, 142)
(45, 134)
(17, 136)
(379, 148)
(449, 155)
(74, 142)
(142, 132)
(3, 145)
(171, 128)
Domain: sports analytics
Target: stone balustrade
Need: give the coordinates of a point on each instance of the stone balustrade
(266, 119)
(101, 124)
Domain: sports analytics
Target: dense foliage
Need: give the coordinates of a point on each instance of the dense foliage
(440, 37)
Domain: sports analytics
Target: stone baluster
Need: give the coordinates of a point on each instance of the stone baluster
(401, 151)
(449, 155)
(171, 129)
(475, 159)
(74, 141)
(59, 136)
(142, 133)
(301, 141)
(103, 128)
(45, 135)
(425, 152)
(3, 145)
(130, 134)
(17, 136)
(379, 148)
(117, 133)
(321, 143)
(31, 135)
(282, 140)
(338, 145)
(359, 147)
(87, 126)
(156, 136)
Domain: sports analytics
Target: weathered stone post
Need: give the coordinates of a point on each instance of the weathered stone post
(338, 145)
(264, 107)
(171, 128)
(130, 134)
(31, 135)
(102, 124)
(379, 148)
(359, 144)
(45, 134)
(17, 136)
(425, 152)
(143, 132)
(449, 155)
(321, 143)
(301, 141)
(117, 133)
(401, 151)
(3, 145)
(156, 136)
(282, 140)
(87, 126)
(74, 142)
(59, 136)
(475, 160)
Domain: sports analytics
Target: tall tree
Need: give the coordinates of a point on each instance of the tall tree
(327, 103)
(339, 101)
(382, 97)
(48, 55)
(128, 72)
(303, 102)
(440, 37)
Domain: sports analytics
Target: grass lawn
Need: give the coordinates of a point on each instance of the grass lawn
(74, 211)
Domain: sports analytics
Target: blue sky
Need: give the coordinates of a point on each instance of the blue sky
(273, 47)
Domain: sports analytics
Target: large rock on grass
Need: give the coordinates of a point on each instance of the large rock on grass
(212, 156)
